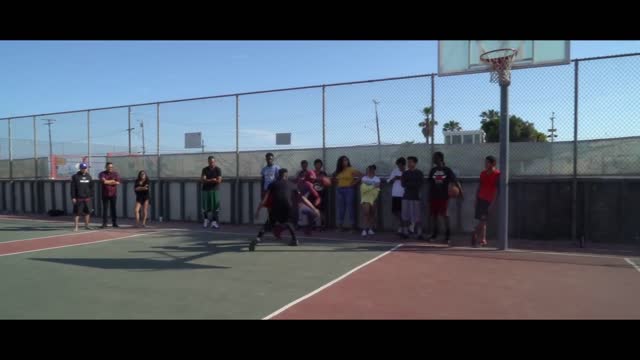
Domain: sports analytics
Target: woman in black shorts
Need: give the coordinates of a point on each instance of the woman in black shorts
(141, 188)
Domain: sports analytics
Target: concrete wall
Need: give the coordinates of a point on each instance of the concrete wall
(607, 209)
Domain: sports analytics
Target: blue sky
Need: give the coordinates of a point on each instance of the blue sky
(43, 77)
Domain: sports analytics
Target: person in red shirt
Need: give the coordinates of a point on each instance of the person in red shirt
(487, 191)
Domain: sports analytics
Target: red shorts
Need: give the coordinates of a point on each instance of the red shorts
(268, 203)
(439, 207)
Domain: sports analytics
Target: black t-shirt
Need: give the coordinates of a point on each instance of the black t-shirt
(439, 178)
(142, 183)
(210, 174)
(412, 181)
(284, 194)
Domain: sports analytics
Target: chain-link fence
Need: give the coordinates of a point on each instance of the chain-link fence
(580, 119)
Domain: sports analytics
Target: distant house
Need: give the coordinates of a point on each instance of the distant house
(464, 137)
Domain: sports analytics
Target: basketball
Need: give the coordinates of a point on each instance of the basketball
(326, 181)
(453, 191)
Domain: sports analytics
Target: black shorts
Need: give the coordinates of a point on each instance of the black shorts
(142, 197)
(81, 207)
(396, 206)
(482, 209)
(280, 215)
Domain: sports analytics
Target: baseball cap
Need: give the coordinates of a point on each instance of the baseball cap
(83, 166)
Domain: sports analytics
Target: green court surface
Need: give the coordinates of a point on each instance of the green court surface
(170, 274)
(16, 229)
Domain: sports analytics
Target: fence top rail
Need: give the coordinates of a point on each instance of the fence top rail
(221, 96)
(275, 90)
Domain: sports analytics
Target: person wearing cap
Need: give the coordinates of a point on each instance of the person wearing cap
(110, 181)
(81, 194)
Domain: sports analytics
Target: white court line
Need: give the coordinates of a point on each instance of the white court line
(328, 284)
(564, 254)
(632, 264)
(51, 236)
(65, 246)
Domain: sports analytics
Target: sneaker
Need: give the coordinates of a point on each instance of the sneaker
(420, 237)
(253, 243)
(104, 226)
(87, 227)
(371, 232)
(206, 223)
(293, 242)
(75, 229)
(116, 226)
(214, 225)
(364, 232)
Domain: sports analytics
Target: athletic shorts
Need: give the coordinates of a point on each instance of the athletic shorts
(82, 207)
(482, 209)
(411, 211)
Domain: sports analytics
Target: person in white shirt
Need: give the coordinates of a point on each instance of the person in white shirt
(397, 191)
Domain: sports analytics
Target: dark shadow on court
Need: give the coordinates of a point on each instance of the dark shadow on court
(129, 264)
(36, 228)
(213, 247)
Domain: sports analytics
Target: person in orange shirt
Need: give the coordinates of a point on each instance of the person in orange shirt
(487, 191)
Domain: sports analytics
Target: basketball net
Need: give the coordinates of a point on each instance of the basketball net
(500, 61)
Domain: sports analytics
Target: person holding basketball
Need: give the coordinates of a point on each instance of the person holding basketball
(280, 199)
(487, 191)
(440, 178)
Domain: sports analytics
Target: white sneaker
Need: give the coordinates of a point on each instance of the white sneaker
(206, 223)
(214, 225)
(371, 232)
(364, 232)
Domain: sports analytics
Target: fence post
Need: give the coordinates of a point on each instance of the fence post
(10, 152)
(237, 181)
(324, 126)
(433, 116)
(574, 187)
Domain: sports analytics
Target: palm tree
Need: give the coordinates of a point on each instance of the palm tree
(490, 115)
(427, 131)
(452, 126)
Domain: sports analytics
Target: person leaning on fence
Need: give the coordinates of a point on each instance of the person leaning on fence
(346, 177)
(319, 186)
(412, 181)
(82, 189)
(369, 191)
(211, 177)
(397, 191)
(440, 178)
(110, 180)
(141, 188)
(485, 197)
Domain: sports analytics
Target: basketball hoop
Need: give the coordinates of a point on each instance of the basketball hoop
(500, 61)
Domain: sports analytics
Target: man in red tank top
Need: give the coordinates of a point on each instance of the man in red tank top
(487, 191)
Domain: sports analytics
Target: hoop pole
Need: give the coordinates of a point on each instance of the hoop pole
(503, 198)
